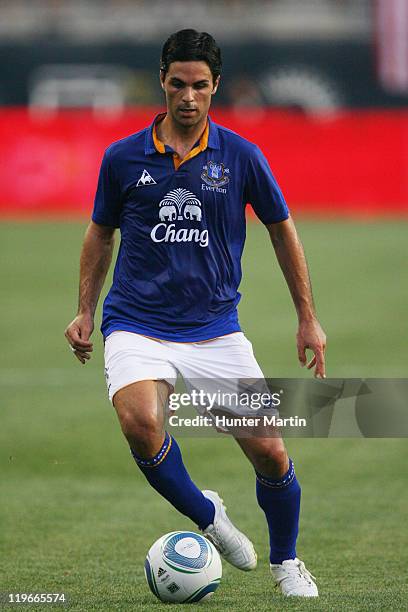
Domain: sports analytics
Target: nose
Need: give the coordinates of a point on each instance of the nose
(188, 94)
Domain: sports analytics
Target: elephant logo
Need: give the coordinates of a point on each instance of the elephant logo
(192, 211)
(180, 204)
(167, 212)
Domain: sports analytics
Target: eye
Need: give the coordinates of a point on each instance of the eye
(177, 84)
(201, 85)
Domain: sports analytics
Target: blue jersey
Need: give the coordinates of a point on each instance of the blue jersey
(182, 225)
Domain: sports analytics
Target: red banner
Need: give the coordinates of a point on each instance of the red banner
(352, 163)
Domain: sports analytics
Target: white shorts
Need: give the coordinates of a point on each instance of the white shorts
(131, 357)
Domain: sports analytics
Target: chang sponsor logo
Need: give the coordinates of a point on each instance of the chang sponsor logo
(178, 205)
(168, 233)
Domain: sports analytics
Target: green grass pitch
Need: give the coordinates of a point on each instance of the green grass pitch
(76, 515)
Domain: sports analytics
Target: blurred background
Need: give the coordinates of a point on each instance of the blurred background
(320, 85)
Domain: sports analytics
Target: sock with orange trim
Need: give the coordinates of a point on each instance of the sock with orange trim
(280, 500)
(167, 474)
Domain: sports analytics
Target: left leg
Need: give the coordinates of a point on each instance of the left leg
(214, 364)
(228, 364)
(277, 491)
(278, 494)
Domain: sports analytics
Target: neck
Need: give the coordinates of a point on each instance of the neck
(177, 135)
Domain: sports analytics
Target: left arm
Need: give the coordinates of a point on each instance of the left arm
(292, 260)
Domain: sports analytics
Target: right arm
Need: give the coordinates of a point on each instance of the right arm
(96, 256)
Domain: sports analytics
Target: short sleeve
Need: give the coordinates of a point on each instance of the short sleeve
(107, 206)
(262, 190)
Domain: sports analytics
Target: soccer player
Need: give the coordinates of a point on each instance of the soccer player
(177, 190)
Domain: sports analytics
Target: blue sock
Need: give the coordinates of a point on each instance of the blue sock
(166, 473)
(280, 500)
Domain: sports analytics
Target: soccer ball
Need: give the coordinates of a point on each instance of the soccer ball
(183, 567)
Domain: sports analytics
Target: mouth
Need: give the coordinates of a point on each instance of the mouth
(187, 112)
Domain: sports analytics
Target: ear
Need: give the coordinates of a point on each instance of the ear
(217, 82)
(162, 78)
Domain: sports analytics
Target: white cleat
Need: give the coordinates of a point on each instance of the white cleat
(294, 579)
(231, 543)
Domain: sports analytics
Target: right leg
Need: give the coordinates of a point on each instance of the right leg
(141, 408)
(141, 411)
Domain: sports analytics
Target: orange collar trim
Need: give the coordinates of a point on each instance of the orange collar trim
(161, 148)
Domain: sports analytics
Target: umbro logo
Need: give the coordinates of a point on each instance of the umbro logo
(145, 179)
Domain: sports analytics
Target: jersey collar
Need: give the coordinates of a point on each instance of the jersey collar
(209, 139)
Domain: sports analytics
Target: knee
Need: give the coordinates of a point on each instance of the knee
(139, 429)
(271, 460)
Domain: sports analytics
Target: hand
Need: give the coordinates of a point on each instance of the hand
(310, 335)
(77, 333)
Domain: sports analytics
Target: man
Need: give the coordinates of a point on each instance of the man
(177, 190)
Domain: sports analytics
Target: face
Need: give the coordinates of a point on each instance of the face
(188, 87)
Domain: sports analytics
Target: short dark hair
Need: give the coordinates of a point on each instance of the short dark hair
(191, 46)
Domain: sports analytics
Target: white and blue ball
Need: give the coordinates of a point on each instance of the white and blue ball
(183, 567)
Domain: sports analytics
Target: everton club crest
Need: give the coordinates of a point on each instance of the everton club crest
(215, 174)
